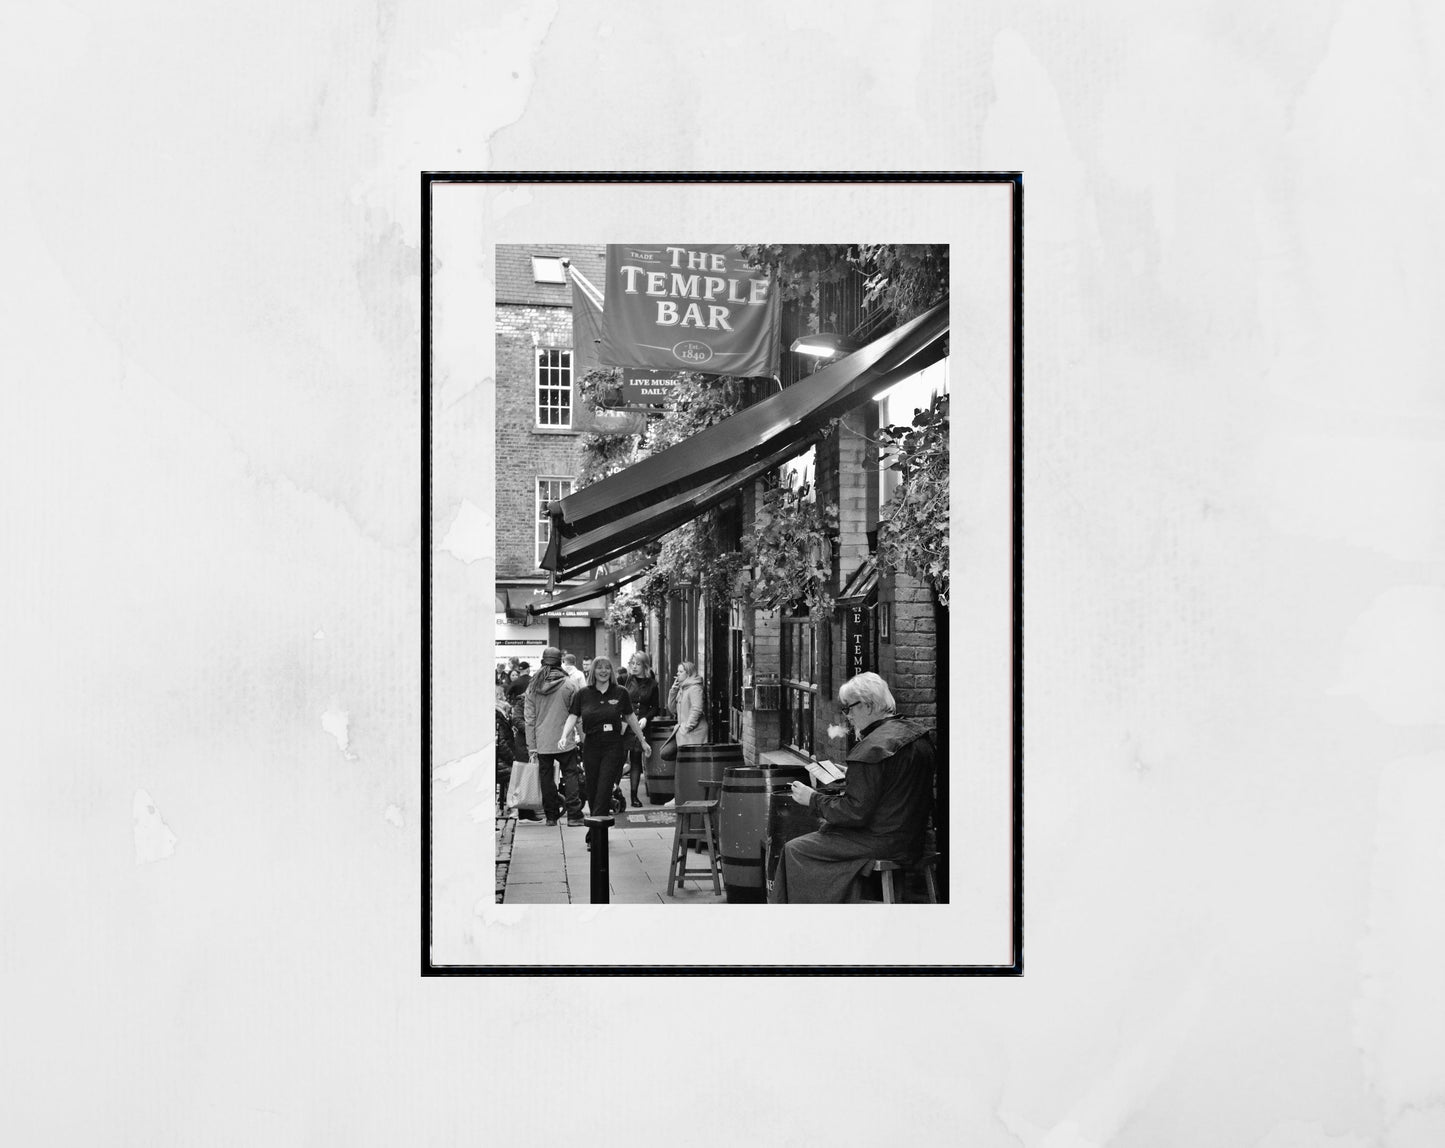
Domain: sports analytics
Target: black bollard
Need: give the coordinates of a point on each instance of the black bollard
(597, 827)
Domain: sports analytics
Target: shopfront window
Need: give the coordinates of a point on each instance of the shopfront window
(799, 682)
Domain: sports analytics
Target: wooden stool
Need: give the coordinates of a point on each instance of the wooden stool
(925, 864)
(678, 870)
(711, 790)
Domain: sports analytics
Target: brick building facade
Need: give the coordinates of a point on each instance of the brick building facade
(535, 441)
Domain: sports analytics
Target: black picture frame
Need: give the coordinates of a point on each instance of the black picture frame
(429, 180)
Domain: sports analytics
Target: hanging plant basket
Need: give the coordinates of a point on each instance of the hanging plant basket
(624, 614)
(790, 551)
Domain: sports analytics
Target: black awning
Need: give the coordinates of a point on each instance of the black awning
(614, 539)
(660, 493)
(594, 589)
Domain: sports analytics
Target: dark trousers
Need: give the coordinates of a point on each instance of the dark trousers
(571, 783)
(633, 761)
(603, 762)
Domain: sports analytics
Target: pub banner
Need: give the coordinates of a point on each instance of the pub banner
(698, 307)
(587, 323)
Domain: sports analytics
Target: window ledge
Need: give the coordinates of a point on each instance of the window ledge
(782, 757)
(555, 430)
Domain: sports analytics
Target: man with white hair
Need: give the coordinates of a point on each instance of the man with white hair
(882, 812)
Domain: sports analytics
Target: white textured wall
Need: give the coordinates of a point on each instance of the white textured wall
(1236, 765)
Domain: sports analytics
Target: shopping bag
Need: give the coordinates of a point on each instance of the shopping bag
(525, 789)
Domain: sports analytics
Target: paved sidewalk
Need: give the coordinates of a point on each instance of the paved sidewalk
(550, 865)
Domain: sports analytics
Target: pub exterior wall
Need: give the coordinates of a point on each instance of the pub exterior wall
(523, 454)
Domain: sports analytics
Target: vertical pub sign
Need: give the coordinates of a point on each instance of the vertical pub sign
(855, 639)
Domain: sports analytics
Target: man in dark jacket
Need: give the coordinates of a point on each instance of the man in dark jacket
(881, 813)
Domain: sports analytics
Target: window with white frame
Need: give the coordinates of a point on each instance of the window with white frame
(548, 490)
(554, 388)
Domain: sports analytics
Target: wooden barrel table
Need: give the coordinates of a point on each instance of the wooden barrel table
(660, 774)
(757, 806)
(698, 763)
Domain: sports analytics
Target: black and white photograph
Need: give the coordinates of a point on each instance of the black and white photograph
(722, 598)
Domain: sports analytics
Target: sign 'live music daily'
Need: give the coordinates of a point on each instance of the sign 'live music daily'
(698, 307)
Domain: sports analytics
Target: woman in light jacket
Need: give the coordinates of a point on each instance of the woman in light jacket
(691, 714)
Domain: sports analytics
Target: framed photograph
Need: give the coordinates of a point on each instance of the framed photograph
(710, 687)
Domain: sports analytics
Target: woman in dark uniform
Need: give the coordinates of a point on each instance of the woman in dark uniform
(882, 812)
(603, 709)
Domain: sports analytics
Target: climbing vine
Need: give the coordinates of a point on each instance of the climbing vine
(913, 531)
(790, 550)
(902, 278)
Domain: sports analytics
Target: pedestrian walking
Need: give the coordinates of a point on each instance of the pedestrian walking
(546, 703)
(646, 697)
(569, 664)
(881, 813)
(602, 708)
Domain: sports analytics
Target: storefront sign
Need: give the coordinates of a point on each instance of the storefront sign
(648, 388)
(855, 639)
(699, 307)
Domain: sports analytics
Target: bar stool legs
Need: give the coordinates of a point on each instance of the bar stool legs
(678, 870)
(925, 865)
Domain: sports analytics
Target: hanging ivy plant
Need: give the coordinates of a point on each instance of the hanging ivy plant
(901, 278)
(698, 402)
(904, 278)
(623, 614)
(651, 590)
(913, 531)
(691, 556)
(790, 551)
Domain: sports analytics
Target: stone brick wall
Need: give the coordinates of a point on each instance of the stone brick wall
(514, 272)
(761, 728)
(847, 472)
(522, 452)
(854, 487)
(909, 661)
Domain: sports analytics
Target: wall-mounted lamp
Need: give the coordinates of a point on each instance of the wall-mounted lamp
(825, 345)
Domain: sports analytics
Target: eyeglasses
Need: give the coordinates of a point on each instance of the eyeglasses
(846, 706)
